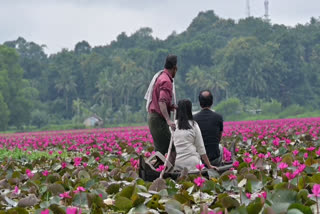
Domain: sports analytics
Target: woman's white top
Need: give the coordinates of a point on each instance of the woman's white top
(189, 146)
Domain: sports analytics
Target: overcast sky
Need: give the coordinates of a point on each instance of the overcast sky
(62, 23)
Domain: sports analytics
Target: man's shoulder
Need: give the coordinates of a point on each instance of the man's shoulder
(164, 79)
(207, 114)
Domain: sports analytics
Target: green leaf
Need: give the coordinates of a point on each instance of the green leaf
(113, 188)
(229, 202)
(255, 206)
(128, 191)
(208, 187)
(123, 204)
(83, 174)
(173, 207)
(300, 207)
(295, 211)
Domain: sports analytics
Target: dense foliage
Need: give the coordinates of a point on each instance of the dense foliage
(244, 59)
(276, 171)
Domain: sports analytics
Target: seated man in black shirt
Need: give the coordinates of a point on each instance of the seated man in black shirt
(211, 126)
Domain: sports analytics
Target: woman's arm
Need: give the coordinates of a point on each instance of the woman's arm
(205, 159)
(200, 147)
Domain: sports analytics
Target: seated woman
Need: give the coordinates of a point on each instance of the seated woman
(187, 140)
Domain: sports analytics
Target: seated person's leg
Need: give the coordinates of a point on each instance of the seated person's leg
(218, 161)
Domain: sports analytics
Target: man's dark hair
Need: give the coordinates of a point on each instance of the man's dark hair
(184, 114)
(171, 62)
(205, 101)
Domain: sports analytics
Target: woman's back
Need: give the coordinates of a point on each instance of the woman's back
(189, 146)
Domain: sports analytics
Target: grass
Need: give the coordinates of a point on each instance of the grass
(30, 155)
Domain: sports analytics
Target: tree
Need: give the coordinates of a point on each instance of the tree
(13, 90)
(66, 85)
(4, 114)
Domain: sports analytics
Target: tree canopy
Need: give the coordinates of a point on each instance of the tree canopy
(249, 58)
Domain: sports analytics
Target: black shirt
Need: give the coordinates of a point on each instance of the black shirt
(211, 126)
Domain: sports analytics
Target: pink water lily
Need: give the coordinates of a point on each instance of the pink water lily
(199, 181)
(73, 210)
(65, 195)
(236, 164)
(200, 167)
(46, 211)
(295, 152)
(315, 191)
(283, 165)
(160, 168)
(79, 189)
(45, 173)
(232, 177)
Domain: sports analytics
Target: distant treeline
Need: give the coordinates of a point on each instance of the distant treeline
(250, 60)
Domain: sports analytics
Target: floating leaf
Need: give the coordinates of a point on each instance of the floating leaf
(123, 204)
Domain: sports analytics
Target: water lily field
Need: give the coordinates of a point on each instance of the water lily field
(276, 170)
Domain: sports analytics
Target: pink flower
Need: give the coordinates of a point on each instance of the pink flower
(59, 152)
(305, 155)
(301, 168)
(253, 167)
(213, 212)
(134, 163)
(97, 158)
(247, 160)
(226, 154)
(45, 173)
(290, 176)
(50, 152)
(295, 152)
(296, 163)
(85, 164)
(282, 166)
(263, 194)
(237, 150)
(248, 195)
(277, 159)
(147, 154)
(101, 167)
(160, 168)
(232, 177)
(16, 190)
(65, 195)
(236, 164)
(199, 181)
(73, 210)
(79, 189)
(45, 211)
(318, 152)
(77, 161)
(29, 173)
(261, 156)
(315, 191)
(200, 166)
(310, 149)
(63, 165)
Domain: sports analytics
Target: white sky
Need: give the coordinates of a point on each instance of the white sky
(62, 23)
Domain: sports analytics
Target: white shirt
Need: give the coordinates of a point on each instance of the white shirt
(189, 146)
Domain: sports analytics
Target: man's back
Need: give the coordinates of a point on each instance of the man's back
(211, 126)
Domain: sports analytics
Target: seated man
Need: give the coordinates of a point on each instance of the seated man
(211, 126)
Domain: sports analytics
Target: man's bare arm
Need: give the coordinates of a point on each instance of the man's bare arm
(164, 112)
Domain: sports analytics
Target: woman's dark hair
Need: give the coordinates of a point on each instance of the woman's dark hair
(171, 62)
(184, 114)
(207, 100)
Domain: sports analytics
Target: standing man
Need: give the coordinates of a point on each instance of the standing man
(211, 126)
(159, 105)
